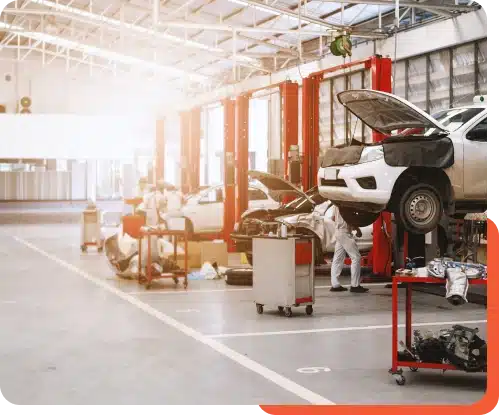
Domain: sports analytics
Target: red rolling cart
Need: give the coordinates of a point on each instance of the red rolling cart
(397, 364)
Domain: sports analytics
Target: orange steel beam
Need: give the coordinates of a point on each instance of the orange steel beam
(185, 134)
(289, 96)
(229, 107)
(194, 149)
(310, 131)
(242, 115)
(160, 150)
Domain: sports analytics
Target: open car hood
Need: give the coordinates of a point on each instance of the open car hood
(386, 113)
(277, 185)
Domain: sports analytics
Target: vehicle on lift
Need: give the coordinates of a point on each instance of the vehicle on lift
(304, 215)
(425, 166)
(203, 211)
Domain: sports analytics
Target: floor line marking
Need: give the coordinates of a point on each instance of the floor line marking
(224, 350)
(149, 292)
(339, 329)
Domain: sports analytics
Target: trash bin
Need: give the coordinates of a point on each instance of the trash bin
(283, 273)
(91, 234)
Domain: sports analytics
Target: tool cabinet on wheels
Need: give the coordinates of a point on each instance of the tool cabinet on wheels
(283, 273)
(414, 366)
(148, 277)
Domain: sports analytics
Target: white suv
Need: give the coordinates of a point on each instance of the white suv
(427, 164)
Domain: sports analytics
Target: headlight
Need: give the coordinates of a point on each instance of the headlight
(371, 154)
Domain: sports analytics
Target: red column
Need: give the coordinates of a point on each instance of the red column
(184, 150)
(194, 149)
(160, 149)
(310, 131)
(242, 115)
(381, 80)
(229, 168)
(289, 95)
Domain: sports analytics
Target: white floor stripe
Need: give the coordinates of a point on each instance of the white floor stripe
(182, 291)
(340, 329)
(244, 361)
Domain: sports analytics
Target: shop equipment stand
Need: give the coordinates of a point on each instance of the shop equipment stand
(283, 273)
(91, 234)
(413, 365)
(146, 279)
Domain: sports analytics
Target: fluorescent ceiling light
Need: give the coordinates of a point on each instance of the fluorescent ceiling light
(118, 24)
(102, 53)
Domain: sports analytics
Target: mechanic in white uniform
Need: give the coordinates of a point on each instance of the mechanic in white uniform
(345, 244)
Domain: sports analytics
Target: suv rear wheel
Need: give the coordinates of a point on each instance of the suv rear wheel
(420, 208)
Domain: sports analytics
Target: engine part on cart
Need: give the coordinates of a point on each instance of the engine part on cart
(429, 348)
(456, 286)
(466, 350)
(438, 267)
(459, 346)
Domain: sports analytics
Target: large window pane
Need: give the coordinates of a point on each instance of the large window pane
(324, 117)
(417, 82)
(439, 81)
(482, 66)
(338, 112)
(399, 78)
(463, 79)
(354, 124)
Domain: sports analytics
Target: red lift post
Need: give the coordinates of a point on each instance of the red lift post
(310, 130)
(185, 128)
(229, 107)
(381, 72)
(242, 115)
(194, 149)
(289, 96)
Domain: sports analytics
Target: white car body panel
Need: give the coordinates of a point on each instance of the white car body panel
(320, 222)
(468, 174)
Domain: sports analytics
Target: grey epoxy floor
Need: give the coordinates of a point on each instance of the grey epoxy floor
(65, 339)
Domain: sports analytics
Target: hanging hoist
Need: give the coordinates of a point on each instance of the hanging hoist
(341, 45)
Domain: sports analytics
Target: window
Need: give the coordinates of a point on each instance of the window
(212, 196)
(478, 132)
(256, 194)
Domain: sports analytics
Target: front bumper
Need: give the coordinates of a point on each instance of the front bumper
(339, 184)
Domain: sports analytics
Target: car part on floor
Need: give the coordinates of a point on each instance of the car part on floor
(239, 276)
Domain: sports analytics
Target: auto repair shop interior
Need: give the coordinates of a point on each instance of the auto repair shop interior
(181, 182)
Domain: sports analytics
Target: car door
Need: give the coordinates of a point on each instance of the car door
(475, 161)
(208, 214)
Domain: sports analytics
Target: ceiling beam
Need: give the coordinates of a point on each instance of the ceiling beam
(419, 5)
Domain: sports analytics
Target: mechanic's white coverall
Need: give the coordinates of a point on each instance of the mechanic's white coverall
(345, 244)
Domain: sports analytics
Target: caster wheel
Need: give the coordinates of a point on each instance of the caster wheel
(414, 369)
(100, 250)
(175, 280)
(83, 248)
(280, 309)
(400, 379)
(185, 285)
(309, 310)
(259, 308)
(288, 312)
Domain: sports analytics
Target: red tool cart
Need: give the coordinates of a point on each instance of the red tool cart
(396, 370)
(176, 237)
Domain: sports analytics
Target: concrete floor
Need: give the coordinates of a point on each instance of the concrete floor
(72, 333)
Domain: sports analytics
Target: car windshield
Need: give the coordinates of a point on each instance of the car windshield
(454, 118)
(302, 202)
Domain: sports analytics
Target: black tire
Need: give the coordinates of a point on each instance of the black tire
(280, 309)
(249, 258)
(414, 220)
(358, 218)
(259, 309)
(239, 277)
(288, 312)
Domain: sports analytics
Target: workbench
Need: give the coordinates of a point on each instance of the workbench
(176, 235)
(413, 365)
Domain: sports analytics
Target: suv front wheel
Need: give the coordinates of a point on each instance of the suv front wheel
(420, 208)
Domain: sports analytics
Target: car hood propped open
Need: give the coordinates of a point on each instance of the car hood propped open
(277, 185)
(386, 113)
